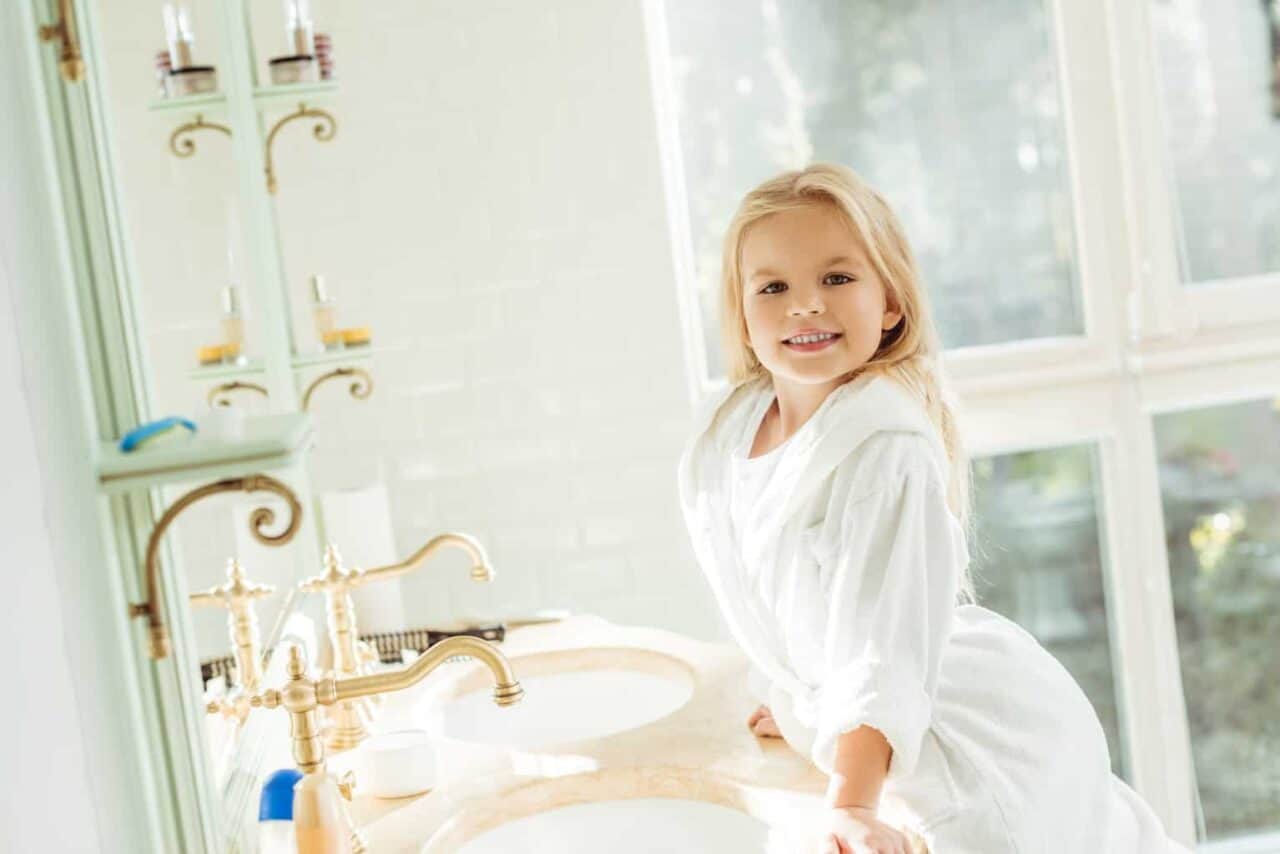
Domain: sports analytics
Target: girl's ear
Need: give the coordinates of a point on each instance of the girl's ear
(892, 312)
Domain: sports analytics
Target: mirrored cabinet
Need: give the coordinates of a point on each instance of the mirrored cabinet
(205, 167)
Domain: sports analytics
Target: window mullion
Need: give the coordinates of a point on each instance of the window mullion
(1154, 711)
(1157, 306)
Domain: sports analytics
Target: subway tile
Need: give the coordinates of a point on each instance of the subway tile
(614, 530)
(587, 576)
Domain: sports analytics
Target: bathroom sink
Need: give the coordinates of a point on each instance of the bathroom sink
(638, 826)
(570, 696)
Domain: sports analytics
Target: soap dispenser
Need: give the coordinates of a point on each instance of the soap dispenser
(320, 823)
(275, 813)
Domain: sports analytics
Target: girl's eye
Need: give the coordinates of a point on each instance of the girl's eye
(766, 288)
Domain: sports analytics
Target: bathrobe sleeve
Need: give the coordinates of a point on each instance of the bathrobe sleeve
(895, 561)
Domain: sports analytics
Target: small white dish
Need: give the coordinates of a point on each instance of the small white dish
(225, 423)
(398, 764)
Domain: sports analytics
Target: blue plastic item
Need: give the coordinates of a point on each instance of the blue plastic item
(143, 432)
(277, 795)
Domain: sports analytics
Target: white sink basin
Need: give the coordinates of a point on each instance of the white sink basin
(569, 696)
(639, 826)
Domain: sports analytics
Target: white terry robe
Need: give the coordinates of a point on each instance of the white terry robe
(839, 582)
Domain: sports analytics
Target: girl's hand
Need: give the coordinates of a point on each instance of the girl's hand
(856, 830)
(762, 723)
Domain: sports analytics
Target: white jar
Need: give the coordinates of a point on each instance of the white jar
(398, 764)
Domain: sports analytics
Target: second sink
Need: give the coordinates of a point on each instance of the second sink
(570, 695)
(639, 826)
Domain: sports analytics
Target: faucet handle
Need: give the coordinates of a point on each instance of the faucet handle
(335, 577)
(233, 706)
(347, 784)
(237, 590)
(268, 699)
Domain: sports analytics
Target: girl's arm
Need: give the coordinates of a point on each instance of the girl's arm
(894, 558)
(858, 772)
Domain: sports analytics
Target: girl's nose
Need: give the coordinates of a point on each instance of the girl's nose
(805, 304)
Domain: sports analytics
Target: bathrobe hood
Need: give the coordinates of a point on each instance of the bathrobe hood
(851, 414)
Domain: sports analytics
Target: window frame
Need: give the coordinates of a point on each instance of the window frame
(1150, 344)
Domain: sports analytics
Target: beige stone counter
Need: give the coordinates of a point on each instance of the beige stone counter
(702, 751)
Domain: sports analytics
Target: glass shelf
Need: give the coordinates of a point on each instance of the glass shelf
(223, 370)
(268, 442)
(287, 95)
(299, 362)
(358, 353)
(205, 103)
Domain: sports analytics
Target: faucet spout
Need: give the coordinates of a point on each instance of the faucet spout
(506, 689)
(480, 567)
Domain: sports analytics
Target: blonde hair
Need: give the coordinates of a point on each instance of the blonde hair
(909, 352)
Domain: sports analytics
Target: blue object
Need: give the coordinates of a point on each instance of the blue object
(277, 795)
(143, 432)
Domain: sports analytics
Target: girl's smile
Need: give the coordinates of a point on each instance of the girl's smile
(811, 340)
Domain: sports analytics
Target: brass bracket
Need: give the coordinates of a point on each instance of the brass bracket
(214, 397)
(70, 62)
(360, 388)
(259, 519)
(186, 147)
(323, 130)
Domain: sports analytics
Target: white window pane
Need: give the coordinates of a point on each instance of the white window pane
(1220, 483)
(1223, 137)
(1037, 559)
(952, 110)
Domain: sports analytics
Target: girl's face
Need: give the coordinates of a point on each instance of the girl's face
(803, 272)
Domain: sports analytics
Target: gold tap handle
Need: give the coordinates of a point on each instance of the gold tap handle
(237, 596)
(347, 784)
(234, 706)
(481, 570)
(236, 590)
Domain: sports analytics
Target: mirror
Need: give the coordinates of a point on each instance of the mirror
(523, 336)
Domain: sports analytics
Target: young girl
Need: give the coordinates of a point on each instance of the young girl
(825, 493)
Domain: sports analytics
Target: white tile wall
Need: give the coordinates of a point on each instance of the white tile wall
(492, 207)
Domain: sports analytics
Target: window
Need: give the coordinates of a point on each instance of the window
(1222, 134)
(1090, 188)
(1220, 486)
(1037, 558)
(967, 146)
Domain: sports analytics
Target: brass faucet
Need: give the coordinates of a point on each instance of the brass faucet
(237, 595)
(349, 718)
(302, 696)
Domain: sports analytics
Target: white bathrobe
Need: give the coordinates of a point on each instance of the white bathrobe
(839, 581)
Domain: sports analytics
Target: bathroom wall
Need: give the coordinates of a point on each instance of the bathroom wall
(46, 804)
(61, 716)
(493, 208)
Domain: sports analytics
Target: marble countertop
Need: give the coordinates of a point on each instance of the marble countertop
(702, 751)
